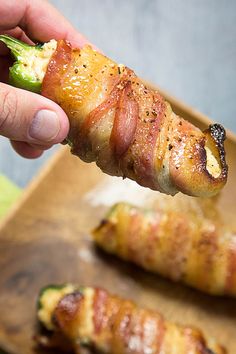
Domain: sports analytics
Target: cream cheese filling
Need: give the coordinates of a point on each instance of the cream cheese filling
(37, 64)
(49, 301)
(212, 163)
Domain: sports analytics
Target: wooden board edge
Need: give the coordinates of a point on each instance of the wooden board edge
(191, 111)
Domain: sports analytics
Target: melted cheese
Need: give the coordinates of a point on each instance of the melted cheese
(37, 63)
(86, 328)
(212, 164)
(49, 301)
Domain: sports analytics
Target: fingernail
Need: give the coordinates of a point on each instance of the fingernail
(45, 125)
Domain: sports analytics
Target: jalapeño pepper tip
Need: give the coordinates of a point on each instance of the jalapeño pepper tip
(30, 63)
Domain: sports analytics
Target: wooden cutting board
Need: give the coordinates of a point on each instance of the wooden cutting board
(45, 239)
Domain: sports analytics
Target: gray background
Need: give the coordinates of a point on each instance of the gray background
(187, 47)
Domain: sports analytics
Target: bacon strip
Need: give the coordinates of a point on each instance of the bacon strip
(55, 72)
(83, 142)
(125, 122)
(110, 324)
(128, 129)
(177, 240)
(141, 157)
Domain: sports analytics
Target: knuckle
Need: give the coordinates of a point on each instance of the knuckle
(8, 107)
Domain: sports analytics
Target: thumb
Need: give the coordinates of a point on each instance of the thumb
(31, 118)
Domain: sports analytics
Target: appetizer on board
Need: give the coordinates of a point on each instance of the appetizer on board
(128, 129)
(84, 316)
(177, 240)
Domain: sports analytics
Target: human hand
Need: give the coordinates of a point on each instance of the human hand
(32, 122)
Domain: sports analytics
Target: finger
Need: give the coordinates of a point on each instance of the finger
(41, 147)
(5, 63)
(25, 150)
(40, 21)
(28, 117)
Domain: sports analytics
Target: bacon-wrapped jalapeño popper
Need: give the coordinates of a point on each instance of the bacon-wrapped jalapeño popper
(183, 246)
(127, 128)
(76, 317)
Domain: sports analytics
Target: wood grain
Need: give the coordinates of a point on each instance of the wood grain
(45, 239)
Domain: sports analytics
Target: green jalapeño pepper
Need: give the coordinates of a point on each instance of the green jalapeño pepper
(30, 63)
